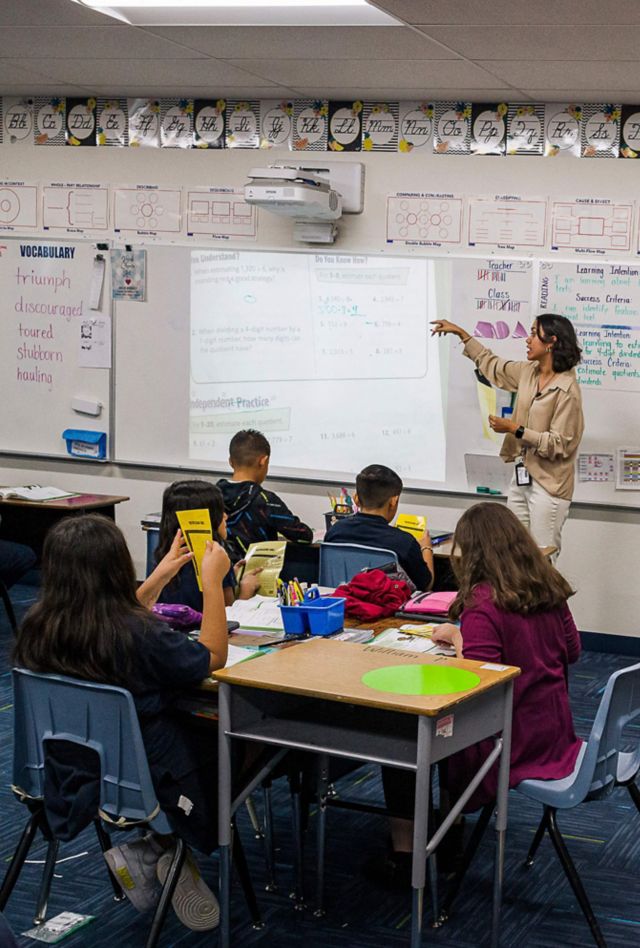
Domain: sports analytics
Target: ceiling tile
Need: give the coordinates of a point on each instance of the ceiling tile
(291, 42)
(605, 76)
(43, 88)
(563, 43)
(13, 71)
(630, 96)
(266, 91)
(382, 94)
(51, 13)
(82, 42)
(505, 12)
(146, 72)
(371, 73)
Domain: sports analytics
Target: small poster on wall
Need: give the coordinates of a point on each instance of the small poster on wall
(176, 123)
(562, 130)
(276, 123)
(630, 131)
(525, 129)
(112, 123)
(345, 126)
(81, 122)
(128, 275)
(489, 128)
(416, 125)
(209, 123)
(601, 131)
(243, 118)
(310, 122)
(380, 126)
(452, 128)
(49, 121)
(17, 120)
(144, 123)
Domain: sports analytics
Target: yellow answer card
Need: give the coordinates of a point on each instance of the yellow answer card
(196, 530)
(413, 524)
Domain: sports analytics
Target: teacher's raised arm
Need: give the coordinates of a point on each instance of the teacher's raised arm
(543, 435)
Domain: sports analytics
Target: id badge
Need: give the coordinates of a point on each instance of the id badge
(523, 478)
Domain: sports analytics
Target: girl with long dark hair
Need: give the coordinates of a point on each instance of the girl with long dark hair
(91, 622)
(198, 495)
(512, 607)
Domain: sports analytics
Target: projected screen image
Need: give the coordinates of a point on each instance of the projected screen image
(329, 355)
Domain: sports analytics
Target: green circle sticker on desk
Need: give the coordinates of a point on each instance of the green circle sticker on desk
(420, 679)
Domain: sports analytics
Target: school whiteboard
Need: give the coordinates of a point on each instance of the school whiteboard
(49, 340)
(232, 339)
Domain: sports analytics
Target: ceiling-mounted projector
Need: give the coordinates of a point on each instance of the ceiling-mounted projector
(308, 195)
(293, 193)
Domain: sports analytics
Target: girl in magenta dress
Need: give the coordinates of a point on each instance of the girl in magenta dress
(512, 606)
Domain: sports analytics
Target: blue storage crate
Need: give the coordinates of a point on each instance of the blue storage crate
(317, 616)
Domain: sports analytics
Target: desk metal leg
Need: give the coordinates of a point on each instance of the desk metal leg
(323, 789)
(501, 815)
(420, 828)
(224, 812)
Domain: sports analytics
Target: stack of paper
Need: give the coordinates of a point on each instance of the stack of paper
(34, 492)
(410, 642)
(260, 613)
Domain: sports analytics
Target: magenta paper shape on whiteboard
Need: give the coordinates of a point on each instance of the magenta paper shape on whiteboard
(519, 332)
(501, 330)
(484, 330)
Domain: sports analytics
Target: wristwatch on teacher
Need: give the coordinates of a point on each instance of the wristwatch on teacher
(519, 431)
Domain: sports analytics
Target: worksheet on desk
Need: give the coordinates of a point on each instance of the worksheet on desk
(325, 353)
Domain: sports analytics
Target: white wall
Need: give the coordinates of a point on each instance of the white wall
(601, 545)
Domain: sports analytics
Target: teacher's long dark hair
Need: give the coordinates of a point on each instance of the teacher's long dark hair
(559, 332)
(491, 546)
(79, 626)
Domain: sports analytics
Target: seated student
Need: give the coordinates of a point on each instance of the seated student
(512, 606)
(16, 559)
(255, 514)
(378, 490)
(91, 623)
(183, 588)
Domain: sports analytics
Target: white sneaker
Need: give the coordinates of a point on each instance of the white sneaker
(134, 866)
(193, 901)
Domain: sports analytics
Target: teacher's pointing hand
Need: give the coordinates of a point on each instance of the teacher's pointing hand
(442, 327)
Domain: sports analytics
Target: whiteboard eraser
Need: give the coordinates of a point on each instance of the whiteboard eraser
(86, 407)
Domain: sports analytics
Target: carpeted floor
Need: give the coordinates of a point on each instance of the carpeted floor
(539, 907)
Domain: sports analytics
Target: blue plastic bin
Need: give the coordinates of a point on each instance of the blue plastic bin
(319, 616)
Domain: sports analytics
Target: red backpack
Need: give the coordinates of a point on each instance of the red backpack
(373, 595)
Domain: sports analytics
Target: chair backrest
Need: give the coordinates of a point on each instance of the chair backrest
(6, 599)
(339, 562)
(619, 705)
(100, 717)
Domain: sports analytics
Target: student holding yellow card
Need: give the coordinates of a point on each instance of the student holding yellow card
(196, 507)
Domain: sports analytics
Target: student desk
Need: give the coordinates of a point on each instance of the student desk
(25, 521)
(311, 698)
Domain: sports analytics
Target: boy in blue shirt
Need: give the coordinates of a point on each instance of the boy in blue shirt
(253, 513)
(378, 490)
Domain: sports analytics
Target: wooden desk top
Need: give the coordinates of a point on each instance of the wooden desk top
(333, 671)
(77, 502)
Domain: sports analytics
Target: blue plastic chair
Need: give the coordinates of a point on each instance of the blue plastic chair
(102, 718)
(602, 766)
(8, 605)
(339, 562)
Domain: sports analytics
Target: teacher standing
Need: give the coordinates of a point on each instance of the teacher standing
(544, 432)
